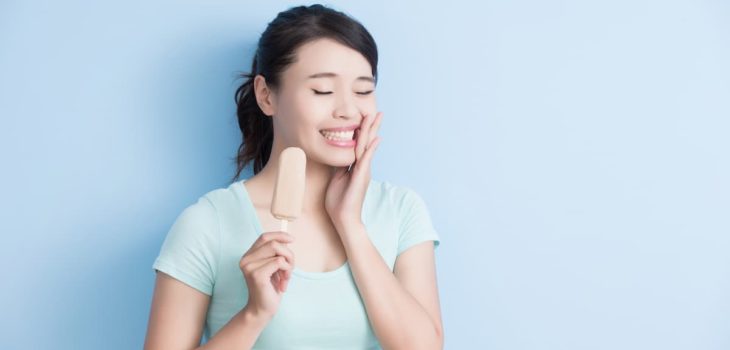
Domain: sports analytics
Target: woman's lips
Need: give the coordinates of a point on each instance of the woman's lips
(342, 128)
(341, 143)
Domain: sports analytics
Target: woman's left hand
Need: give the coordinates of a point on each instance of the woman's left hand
(346, 190)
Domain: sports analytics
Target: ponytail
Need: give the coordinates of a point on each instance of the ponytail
(256, 127)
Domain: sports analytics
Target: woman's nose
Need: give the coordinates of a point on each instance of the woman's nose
(346, 108)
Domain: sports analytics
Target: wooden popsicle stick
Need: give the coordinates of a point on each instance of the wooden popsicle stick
(284, 225)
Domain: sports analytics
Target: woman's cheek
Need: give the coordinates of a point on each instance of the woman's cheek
(372, 111)
(371, 107)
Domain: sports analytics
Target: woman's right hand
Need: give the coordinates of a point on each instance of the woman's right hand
(267, 268)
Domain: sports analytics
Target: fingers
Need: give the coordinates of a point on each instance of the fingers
(265, 269)
(269, 269)
(273, 235)
(269, 249)
(375, 127)
(281, 280)
(367, 133)
(368, 156)
(362, 136)
(286, 281)
(276, 279)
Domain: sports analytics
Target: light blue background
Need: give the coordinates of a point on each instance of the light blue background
(574, 156)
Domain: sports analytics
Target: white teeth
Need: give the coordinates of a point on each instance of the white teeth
(338, 135)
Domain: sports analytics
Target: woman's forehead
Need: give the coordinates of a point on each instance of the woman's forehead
(325, 59)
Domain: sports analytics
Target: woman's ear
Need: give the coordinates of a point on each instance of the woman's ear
(264, 95)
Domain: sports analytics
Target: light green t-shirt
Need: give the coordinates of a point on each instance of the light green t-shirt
(319, 310)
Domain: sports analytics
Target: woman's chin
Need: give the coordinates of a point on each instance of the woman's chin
(340, 161)
(342, 164)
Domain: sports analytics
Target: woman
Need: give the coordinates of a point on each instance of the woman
(357, 269)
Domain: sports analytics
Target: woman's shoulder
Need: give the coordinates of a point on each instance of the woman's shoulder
(391, 190)
(222, 198)
(214, 204)
(396, 196)
(404, 207)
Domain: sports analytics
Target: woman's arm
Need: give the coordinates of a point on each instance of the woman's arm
(177, 318)
(399, 319)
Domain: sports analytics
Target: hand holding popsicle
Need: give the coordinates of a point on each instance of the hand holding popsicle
(268, 264)
(261, 265)
(346, 190)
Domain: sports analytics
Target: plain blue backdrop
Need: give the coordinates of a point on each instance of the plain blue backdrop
(574, 156)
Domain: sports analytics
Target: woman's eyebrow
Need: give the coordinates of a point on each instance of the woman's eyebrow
(332, 75)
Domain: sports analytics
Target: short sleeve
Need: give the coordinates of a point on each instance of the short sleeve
(190, 250)
(416, 225)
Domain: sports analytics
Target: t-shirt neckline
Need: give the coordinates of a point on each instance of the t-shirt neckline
(251, 209)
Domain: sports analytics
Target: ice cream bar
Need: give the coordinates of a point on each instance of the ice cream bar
(289, 187)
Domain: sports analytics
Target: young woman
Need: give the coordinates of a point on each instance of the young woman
(357, 269)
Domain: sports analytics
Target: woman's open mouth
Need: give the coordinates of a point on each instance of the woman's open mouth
(339, 138)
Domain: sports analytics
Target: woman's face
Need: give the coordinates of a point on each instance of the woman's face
(328, 86)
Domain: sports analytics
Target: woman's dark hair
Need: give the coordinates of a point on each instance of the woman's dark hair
(275, 52)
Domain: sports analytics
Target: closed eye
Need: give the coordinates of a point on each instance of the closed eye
(329, 92)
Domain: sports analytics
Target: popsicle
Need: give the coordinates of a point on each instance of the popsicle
(289, 187)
